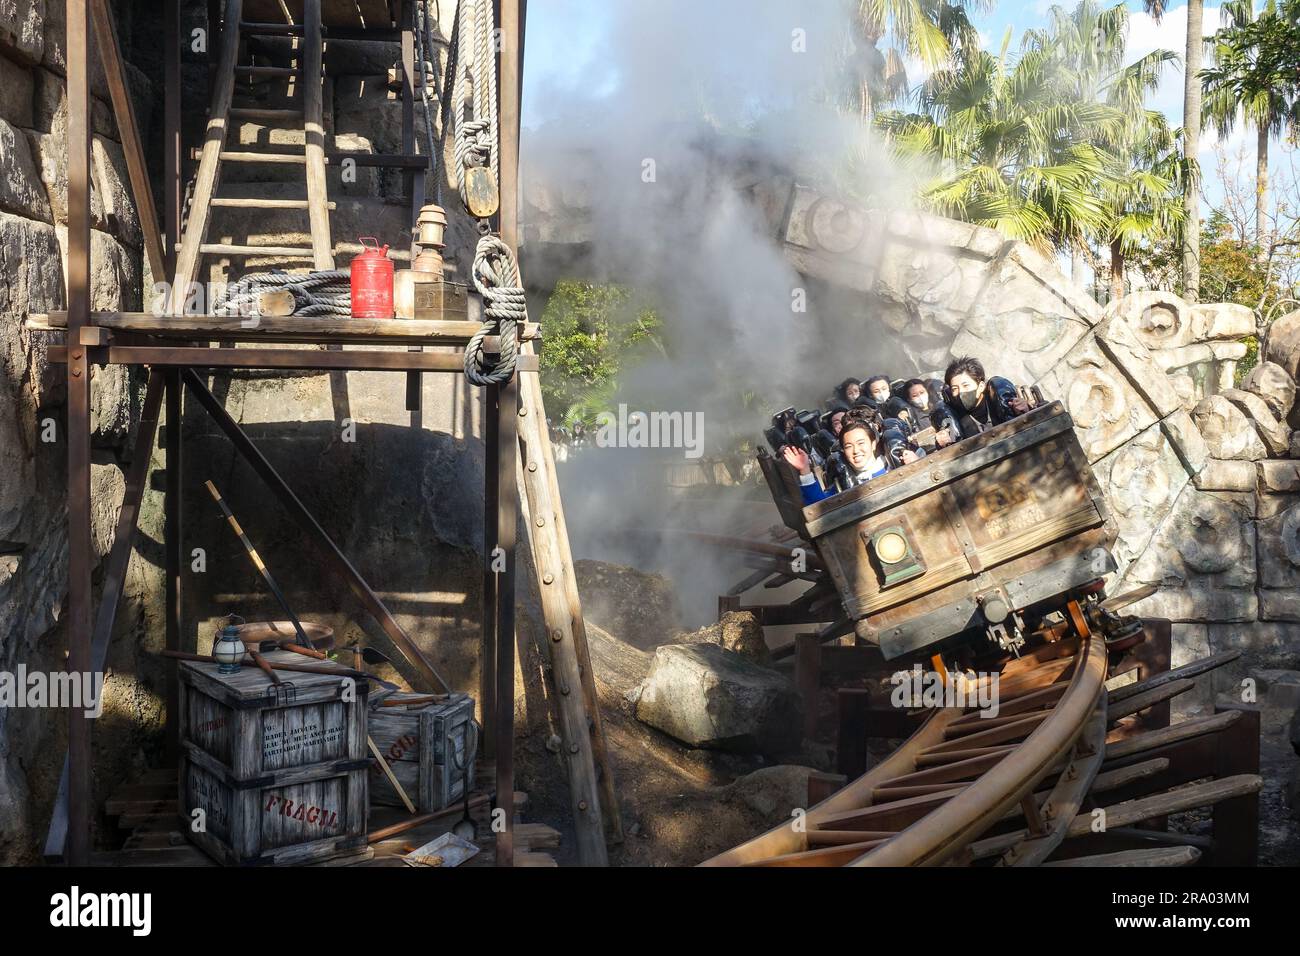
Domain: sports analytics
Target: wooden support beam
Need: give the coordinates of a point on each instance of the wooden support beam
(413, 180)
(173, 151)
(314, 129)
(1236, 821)
(80, 553)
(507, 401)
(334, 559)
(173, 555)
(249, 358)
(808, 678)
(110, 55)
(119, 559)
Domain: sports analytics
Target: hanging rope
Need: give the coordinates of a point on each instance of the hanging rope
(315, 293)
(428, 52)
(496, 277)
(495, 270)
(476, 86)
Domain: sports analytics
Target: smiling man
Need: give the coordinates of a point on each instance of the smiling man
(862, 450)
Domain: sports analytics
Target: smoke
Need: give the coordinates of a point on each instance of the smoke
(677, 131)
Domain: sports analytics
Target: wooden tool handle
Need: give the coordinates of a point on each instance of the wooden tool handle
(388, 772)
(304, 651)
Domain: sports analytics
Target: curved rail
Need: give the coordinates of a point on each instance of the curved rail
(962, 775)
(937, 836)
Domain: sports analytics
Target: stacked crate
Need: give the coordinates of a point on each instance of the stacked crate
(430, 748)
(267, 779)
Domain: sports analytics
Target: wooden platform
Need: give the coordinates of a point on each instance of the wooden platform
(312, 330)
(353, 14)
(147, 809)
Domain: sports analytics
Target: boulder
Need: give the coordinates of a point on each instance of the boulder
(635, 606)
(1228, 433)
(709, 697)
(1282, 344)
(738, 631)
(1276, 435)
(1273, 384)
(772, 792)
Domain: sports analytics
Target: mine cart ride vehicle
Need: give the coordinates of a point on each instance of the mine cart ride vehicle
(985, 544)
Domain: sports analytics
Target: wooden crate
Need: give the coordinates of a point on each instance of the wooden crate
(278, 781)
(426, 749)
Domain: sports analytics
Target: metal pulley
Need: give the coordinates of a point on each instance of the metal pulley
(482, 197)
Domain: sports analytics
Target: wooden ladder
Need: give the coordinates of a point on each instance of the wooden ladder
(193, 245)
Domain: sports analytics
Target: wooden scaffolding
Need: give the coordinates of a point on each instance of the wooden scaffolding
(173, 345)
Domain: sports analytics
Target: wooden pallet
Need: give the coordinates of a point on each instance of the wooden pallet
(147, 808)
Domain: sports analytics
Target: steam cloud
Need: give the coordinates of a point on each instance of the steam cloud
(711, 98)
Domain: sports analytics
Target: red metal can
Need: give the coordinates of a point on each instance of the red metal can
(372, 282)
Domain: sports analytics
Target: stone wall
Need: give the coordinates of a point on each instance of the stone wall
(33, 453)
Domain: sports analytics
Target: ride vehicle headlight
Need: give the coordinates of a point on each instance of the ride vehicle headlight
(891, 547)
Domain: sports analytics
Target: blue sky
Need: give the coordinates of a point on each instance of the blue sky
(568, 47)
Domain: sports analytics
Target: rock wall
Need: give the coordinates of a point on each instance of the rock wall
(33, 453)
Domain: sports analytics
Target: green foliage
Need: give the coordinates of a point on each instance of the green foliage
(590, 333)
(1054, 146)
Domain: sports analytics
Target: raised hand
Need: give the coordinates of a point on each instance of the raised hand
(797, 459)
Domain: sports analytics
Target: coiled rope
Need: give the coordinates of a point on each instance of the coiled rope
(496, 277)
(327, 292)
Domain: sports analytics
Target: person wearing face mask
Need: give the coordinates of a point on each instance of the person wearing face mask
(862, 450)
(928, 410)
(877, 392)
(978, 402)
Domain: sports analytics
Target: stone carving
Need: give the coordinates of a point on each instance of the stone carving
(1227, 431)
(1141, 480)
(1203, 557)
(1275, 435)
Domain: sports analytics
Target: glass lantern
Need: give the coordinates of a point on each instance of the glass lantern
(228, 650)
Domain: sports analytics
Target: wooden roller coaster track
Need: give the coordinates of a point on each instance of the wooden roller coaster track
(1016, 788)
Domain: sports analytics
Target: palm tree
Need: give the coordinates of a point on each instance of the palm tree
(1191, 139)
(1014, 149)
(929, 30)
(1089, 44)
(1143, 190)
(1246, 83)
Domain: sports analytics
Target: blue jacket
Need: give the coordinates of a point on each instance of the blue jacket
(812, 489)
